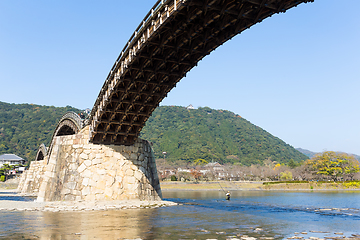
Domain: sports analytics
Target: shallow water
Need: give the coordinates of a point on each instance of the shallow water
(279, 214)
(11, 197)
(202, 215)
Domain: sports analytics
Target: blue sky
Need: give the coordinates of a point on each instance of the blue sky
(296, 74)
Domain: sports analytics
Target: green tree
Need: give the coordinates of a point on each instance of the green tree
(4, 170)
(292, 163)
(286, 176)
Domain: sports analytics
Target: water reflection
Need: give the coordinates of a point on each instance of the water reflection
(129, 224)
(181, 222)
(101, 225)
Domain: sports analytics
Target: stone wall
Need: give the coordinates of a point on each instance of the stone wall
(79, 170)
(31, 179)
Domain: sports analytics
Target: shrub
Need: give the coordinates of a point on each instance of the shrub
(2, 178)
(268, 183)
(173, 178)
(351, 184)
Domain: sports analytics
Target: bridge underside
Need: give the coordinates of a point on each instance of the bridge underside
(177, 38)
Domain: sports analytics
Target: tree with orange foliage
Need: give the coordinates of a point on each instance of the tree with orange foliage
(196, 174)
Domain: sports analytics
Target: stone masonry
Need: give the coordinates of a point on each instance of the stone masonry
(31, 179)
(78, 170)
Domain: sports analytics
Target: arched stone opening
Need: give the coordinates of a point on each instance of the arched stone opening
(41, 153)
(69, 124)
(66, 128)
(40, 157)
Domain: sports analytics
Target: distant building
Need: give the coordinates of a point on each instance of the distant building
(190, 107)
(215, 166)
(10, 159)
(183, 170)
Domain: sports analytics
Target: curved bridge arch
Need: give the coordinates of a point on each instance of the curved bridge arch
(41, 153)
(169, 42)
(69, 124)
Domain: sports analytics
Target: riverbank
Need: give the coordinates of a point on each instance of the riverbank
(10, 184)
(242, 185)
(11, 201)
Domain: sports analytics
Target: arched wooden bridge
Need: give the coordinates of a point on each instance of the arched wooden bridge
(168, 43)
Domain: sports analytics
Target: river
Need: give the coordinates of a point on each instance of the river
(201, 215)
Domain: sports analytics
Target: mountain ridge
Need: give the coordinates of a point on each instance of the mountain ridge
(310, 154)
(184, 134)
(213, 135)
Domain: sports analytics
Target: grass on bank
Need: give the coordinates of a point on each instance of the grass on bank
(8, 186)
(210, 185)
(313, 184)
(277, 185)
(278, 182)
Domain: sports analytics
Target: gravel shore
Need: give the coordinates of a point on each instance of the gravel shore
(18, 205)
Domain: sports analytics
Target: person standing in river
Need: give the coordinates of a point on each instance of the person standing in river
(227, 196)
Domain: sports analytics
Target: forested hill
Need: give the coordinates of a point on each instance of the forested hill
(218, 135)
(23, 127)
(184, 134)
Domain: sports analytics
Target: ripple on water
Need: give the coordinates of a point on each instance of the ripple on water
(205, 216)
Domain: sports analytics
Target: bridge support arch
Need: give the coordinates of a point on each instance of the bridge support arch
(79, 170)
(32, 178)
(74, 169)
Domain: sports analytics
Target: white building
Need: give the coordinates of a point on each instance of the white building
(10, 159)
(190, 107)
(215, 166)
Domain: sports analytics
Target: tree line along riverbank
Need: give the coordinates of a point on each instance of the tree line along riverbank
(324, 167)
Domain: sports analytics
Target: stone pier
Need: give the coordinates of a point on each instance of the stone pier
(75, 169)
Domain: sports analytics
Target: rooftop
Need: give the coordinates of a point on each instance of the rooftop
(11, 157)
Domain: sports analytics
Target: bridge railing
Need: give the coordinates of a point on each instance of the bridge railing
(158, 14)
